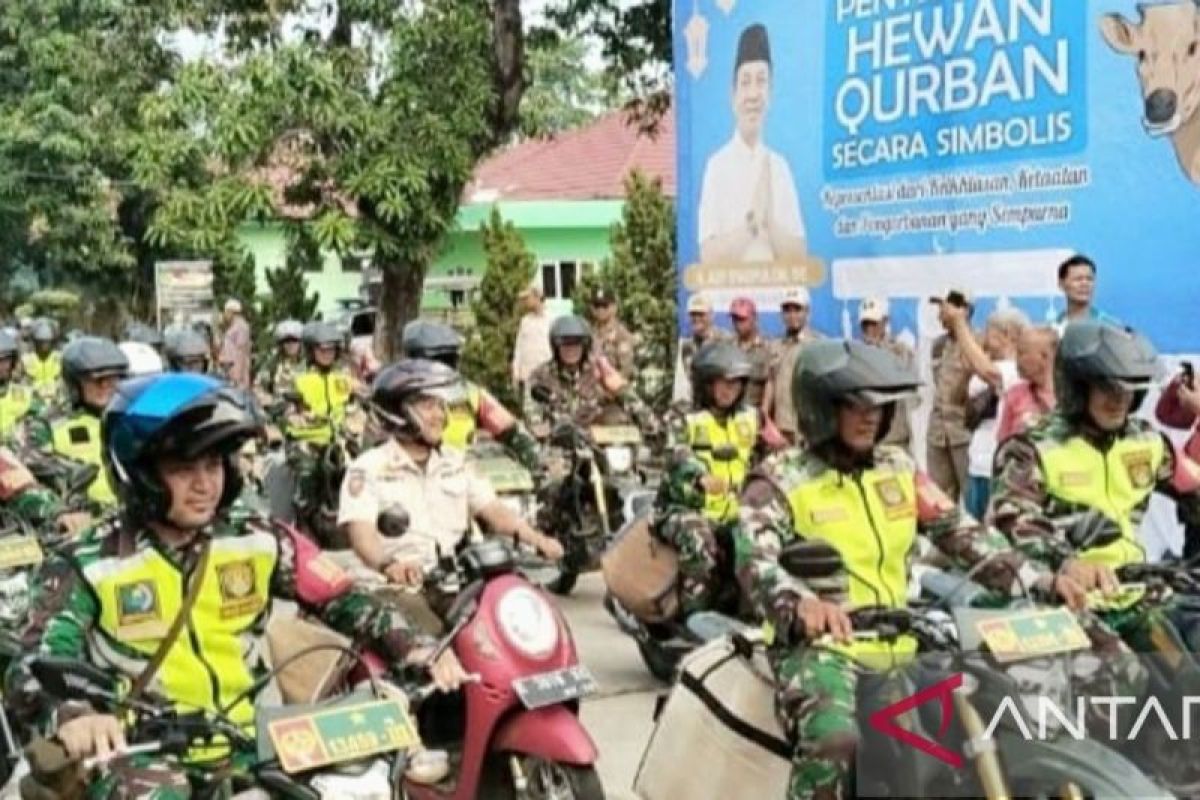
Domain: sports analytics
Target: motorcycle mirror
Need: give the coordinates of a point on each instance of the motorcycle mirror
(541, 394)
(393, 522)
(810, 559)
(1093, 529)
(67, 678)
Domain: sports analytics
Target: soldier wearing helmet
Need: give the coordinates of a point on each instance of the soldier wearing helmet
(187, 350)
(578, 383)
(170, 445)
(43, 364)
(434, 485)
(17, 399)
(613, 339)
(145, 334)
(721, 437)
(70, 431)
(868, 502)
(873, 316)
(278, 374)
(477, 408)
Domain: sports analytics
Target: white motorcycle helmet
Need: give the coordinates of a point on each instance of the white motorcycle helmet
(143, 359)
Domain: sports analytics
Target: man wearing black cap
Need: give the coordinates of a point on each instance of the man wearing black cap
(616, 342)
(749, 211)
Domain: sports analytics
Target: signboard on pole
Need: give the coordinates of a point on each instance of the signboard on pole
(184, 292)
(898, 148)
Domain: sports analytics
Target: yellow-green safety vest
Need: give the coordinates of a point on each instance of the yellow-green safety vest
(43, 373)
(1115, 483)
(461, 421)
(871, 520)
(325, 396)
(206, 667)
(706, 436)
(14, 405)
(78, 438)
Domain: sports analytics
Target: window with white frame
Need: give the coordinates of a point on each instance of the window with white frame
(559, 278)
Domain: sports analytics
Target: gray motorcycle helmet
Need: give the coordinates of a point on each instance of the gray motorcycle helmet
(1095, 353)
(288, 330)
(8, 345)
(90, 357)
(718, 360)
(570, 328)
(185, 346)
(43, 330)
(144, 334)
(432, 341)
(831, 372)
(317, 334)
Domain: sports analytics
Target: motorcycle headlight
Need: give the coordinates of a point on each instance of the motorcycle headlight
(620, 459)
(527, 622)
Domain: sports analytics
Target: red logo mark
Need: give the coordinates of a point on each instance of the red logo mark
(883, 720)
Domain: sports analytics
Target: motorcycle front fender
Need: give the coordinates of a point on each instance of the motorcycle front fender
(553, 733)
(1097, 770)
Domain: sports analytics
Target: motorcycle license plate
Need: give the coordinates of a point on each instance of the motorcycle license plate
(559, 686)
(616, 434)
(1033, 634)
(345, 733)
(19, 551)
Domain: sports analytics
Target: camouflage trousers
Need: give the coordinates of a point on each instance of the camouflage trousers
(815, 700)
(694, 538)
(151, 777)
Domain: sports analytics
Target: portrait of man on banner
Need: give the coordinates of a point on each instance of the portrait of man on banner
(749, 210)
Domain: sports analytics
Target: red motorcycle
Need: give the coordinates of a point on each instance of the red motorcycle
(514, 732)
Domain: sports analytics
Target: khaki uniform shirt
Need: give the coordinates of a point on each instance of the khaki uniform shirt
(532, 348)
(762, 355)
(441, 499)
(619, 346)
(947, 419)
(783, 366)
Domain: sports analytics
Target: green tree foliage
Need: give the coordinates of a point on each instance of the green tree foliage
(563, 92)
(287, 286)
(362, 119)
(641, 273)
(510, 268)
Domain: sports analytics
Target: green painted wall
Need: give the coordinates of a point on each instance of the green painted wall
(554, 231)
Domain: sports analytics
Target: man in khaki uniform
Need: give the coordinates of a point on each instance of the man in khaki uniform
(615, 341)
(757, 348)
(704, 330)
(948, 438)
(873, 326)
(437, 488)
(777, 400)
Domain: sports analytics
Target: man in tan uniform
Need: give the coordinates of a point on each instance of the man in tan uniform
(615, 341)
(757, 348)
(873, 326)
(704, 330)
(948, 438)
(437, 488)
(777, 400)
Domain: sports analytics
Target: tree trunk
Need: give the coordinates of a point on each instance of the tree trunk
(508, 45)
(399, 302)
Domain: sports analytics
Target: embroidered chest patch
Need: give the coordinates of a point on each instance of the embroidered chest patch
(1139, 469)
(891, 496)
(237, 581)
(139, 612)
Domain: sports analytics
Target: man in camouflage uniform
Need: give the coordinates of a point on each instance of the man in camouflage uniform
(278, 375)
(69, 433)
(703, 331)
(580, 385)
(715, 447)
(757, 348)
(868, 502)
(615, 341)
(172, 441)
(17, 399)
(873, 325)
(777, 400)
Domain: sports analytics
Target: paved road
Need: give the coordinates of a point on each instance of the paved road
(620, 716)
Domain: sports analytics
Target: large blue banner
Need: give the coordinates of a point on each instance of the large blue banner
(898, 148)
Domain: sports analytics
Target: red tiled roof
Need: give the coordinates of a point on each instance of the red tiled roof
(588, 163)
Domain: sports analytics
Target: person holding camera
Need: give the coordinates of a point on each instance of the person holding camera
(948, 438)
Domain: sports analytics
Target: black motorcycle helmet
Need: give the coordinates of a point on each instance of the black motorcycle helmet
(1095, 353)
(142, 333)
(90, 357)
(718, 360)
(186, 350)
(318, 334)
(432, 341)
(9, 350)
(397, 386)
(831, 372)
(173, 414)
(570, 328)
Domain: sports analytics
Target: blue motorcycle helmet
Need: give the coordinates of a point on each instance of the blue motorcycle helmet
(182, 415)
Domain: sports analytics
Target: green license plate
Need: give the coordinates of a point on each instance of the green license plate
(616, 434)
(349, 733)
(19, 551)
(1033, 634)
